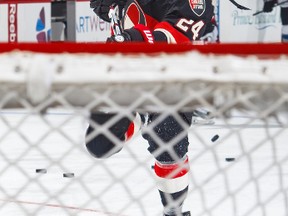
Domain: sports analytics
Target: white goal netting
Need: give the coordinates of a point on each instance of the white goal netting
(46, 101)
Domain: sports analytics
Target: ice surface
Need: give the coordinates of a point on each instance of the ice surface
(255, 184)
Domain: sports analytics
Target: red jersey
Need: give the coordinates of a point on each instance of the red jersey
(172, 21)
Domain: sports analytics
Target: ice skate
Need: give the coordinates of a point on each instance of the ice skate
(187, 213)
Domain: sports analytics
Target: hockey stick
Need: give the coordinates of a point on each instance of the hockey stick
(115, 21)
(262, 11)
(116, 24)
(238, 5)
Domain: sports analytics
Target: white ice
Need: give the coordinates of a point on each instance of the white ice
(255, 184)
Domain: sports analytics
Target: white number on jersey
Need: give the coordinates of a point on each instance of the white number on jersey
(186, 25)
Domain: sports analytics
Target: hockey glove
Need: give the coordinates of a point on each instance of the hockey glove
(210, 35)
(138, 33)
(102, 7)
(269, 5)
(124, 37)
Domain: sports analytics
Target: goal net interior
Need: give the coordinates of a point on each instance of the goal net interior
(238, 152)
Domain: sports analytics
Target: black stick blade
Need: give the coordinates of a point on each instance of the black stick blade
(241, 7)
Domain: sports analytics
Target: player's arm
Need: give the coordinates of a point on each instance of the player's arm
(180, 31)
(163, 32)
(168, 33)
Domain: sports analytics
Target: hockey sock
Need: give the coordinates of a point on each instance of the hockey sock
(172, 184)
(134, 127)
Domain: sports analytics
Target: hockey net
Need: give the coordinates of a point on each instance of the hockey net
(238, 149)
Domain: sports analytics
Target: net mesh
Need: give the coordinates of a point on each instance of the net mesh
(238, 152)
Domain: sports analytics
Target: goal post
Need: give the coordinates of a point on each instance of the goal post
(238, 150)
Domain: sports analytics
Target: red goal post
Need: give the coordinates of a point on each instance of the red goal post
(51, 88)
(226, 48)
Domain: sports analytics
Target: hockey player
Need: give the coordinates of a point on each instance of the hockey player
(268, 7)
(150, 21)
(176, 21)
(168, 143)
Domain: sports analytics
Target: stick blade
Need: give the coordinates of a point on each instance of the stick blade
(241, 7)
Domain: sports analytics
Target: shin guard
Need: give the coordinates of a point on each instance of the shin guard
(173, 181)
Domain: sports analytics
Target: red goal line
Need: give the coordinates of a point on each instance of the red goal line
(127, 48)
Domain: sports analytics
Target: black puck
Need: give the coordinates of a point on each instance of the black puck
(68, 175)
(230, 159)
(214, 138)
(41, 171)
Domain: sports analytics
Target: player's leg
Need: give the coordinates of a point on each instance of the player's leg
(168, 142)
(173, 182)
(103, 143)
(284, 19)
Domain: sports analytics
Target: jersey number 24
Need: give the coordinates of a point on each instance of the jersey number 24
(186, 25)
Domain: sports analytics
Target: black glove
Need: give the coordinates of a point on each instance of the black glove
(124, 37)
(102, 7)
(269, 5)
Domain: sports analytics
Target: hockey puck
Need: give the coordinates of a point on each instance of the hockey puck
(68, 175)
(41, 171)
(230, 159)
(214, 138)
